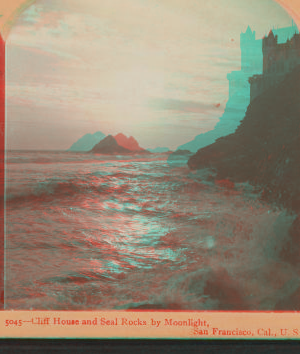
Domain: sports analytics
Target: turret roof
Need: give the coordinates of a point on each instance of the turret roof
(271, 34)
(248, 31)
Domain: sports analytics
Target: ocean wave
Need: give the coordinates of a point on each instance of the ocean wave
(42, 190)
(51, 189)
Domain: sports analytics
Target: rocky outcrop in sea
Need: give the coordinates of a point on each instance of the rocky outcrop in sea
(87, 142)
(119, 144)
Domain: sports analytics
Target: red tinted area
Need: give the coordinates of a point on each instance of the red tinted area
(127, 143)
(226, 183)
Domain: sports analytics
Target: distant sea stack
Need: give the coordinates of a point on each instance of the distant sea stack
(108, 146)
(118, 144)
(87, 142)
(265, 148)
(128, 143)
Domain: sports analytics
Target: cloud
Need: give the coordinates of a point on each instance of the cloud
(178, 105)
(36, 65)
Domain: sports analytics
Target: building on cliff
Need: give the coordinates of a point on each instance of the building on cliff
(256, 55)
(279, 59)
(239, 87)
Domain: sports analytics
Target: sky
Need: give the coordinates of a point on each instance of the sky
(153, 69)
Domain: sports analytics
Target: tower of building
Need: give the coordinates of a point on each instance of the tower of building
(269, 49)
(251, 64)
(251, 52)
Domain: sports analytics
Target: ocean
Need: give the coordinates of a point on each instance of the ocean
(92, 232)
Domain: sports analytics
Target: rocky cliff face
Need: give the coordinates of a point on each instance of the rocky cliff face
(265, 151)
(265, 148)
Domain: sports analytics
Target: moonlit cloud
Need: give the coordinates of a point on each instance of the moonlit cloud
(178, 105)
(152, 69)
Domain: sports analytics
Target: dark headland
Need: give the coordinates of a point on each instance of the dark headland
(265, 151)
(265, 148)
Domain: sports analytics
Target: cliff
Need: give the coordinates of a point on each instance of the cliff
(265, 148)
(87, 142)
